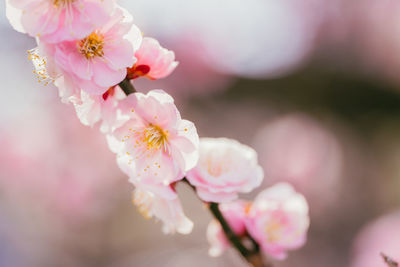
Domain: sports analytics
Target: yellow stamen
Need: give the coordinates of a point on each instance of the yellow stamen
(58, 3)
(39, 62)
(92, 46)
(273, 231)
(155, 137)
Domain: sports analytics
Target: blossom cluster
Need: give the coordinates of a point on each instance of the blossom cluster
(90, 49)
(277, 219)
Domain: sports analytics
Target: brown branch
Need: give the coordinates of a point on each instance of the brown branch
(389, 261)
(229, 233)
(252, 256)
(127, 86)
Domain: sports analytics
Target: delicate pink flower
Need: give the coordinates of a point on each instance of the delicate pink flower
(58, 20)
(161, 144)
(234, 213)
(150, 203)
(153, 61)
(278, 220)
(98, 61)
(225, 169)
(169, 211)
(93, 108)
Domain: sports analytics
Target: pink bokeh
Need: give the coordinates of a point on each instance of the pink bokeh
(379, 236)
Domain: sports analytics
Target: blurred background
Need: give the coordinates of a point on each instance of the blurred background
(312, 85)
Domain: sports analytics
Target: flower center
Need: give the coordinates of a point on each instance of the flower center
(273, 229)
(213, 169)
(58, 3)
(91, 46)
(155, 137)
(218, 165)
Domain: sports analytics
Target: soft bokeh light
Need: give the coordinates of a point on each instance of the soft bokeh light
(296, 149)
(256, 39)
(379, 236)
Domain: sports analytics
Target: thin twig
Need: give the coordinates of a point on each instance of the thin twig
(389, 261)
(233, 238)
(127, 86)
(252, 256)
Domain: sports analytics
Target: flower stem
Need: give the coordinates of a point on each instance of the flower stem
(252, 256)
(233, 238)
(389, 261)
(127, 87)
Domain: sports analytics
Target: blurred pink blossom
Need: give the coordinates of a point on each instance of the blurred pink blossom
(169, 211)
(296, 149)
(225, 168)
(278, 220)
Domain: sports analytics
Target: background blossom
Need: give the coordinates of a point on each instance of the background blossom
(225, 169)
(278, 219)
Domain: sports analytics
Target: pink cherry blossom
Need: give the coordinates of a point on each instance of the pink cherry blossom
(169, 211)
(59, 20)
(98, 61)
(234, 213)
(225, 169)
(150, 203)
(160, 144)
(153, 61)
(91, 109)
(278, 220)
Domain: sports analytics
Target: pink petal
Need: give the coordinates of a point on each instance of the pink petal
(80, 66)
(104, 76)
(119, 56)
